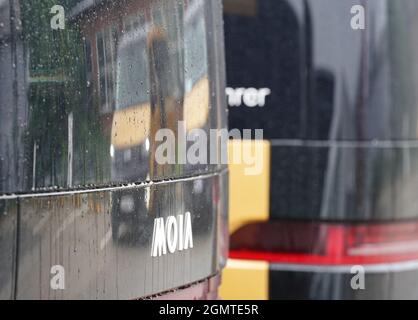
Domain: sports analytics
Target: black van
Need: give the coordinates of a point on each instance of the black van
(335, 93)
(84, 87)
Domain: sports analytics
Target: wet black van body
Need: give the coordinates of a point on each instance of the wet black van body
(84, 88)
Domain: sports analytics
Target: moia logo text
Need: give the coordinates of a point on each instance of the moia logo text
(171, 235)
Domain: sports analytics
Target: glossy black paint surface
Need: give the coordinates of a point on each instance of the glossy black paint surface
(347, 182)
(8, 233)
(82, 106)
(103, 240)
(325, 284)
(328, 81)
(342, 114)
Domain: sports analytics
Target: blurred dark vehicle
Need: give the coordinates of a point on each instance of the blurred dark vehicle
(340, 122)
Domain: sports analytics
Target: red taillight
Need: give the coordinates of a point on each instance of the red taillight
(326, 243)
